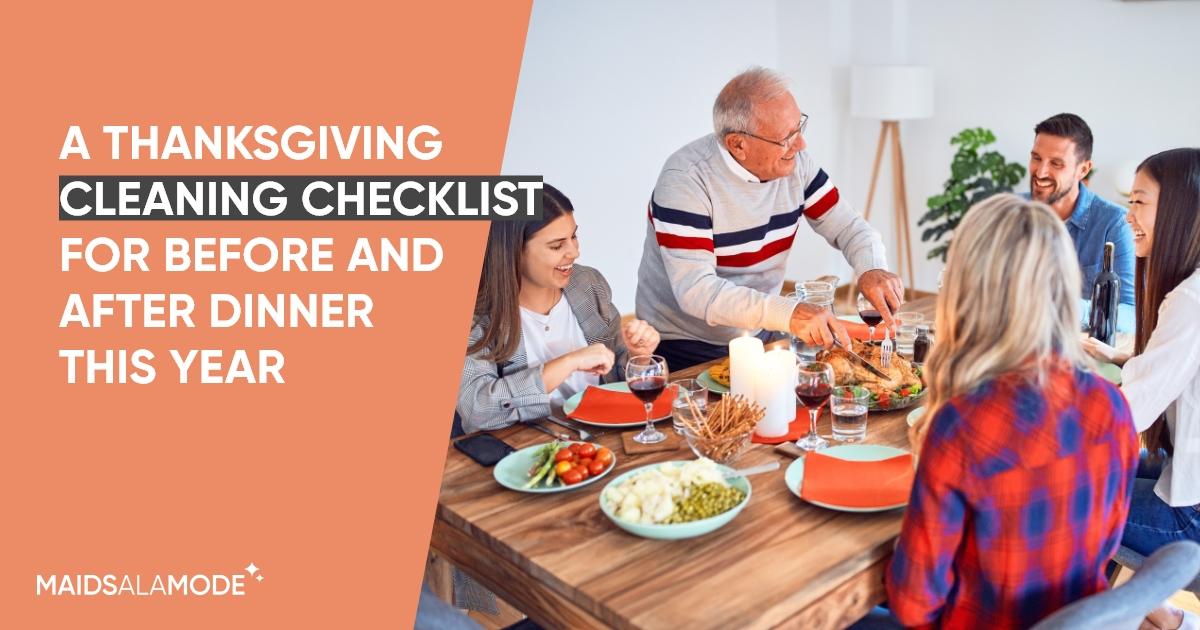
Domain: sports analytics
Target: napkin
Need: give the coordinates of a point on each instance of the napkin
(857, 484)
(862, 332)
(797, 429)
(605, 406)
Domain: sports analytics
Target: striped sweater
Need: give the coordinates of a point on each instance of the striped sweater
(717, 243)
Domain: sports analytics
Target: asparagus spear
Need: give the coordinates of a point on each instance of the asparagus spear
(553, 448)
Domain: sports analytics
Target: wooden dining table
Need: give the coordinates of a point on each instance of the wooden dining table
(781, 563)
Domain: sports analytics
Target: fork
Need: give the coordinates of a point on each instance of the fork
(885, 350)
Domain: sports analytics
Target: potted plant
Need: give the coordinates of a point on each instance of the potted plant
(973, 178)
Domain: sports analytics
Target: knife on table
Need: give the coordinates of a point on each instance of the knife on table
(863, 362)
(560, 436)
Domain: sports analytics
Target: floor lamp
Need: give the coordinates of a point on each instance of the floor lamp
(892, 94)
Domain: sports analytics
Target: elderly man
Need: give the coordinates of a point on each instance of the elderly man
(723, 217)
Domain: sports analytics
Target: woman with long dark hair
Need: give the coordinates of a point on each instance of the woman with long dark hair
(1161, 379)
(544, 327)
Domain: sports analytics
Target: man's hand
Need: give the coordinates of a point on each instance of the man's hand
(885, 291)
(817, 326)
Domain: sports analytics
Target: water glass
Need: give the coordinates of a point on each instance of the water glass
(817, 294)
(906, 331)
(691, 391)
(849, 406)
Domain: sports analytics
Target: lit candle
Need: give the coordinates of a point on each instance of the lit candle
(745, 353)
(773, 391)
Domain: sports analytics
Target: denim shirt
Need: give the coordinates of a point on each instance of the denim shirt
(1094, 222)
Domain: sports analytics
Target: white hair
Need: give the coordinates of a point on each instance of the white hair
(733, 111)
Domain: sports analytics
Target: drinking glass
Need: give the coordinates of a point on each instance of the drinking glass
(869, 314)
(814, 385)
(849, 407)
(690, 391)
(906, 331)
(647, 378)
(816, 293)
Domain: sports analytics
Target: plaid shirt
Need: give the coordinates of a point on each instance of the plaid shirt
(1020, 498)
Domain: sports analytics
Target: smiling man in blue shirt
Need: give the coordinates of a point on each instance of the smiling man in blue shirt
(1061, 157)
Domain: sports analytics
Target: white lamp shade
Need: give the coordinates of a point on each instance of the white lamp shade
(891, 92)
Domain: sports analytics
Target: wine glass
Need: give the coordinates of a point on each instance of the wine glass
(647, 378)
(814, 385)
(869, 314)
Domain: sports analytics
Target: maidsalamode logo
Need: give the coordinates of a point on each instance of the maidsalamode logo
(197, 585)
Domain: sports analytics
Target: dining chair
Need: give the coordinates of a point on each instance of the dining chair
(1127, 558)
(1166, 571)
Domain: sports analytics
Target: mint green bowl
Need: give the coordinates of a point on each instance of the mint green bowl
(676, 531)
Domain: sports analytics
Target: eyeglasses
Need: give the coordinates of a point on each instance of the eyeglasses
(791, 137)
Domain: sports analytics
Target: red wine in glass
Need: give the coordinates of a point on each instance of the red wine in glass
(649, 388)
(813, 396)
(871, 318)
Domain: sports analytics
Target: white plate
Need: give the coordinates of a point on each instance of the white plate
(915, 415)
(713, 386)
(850, 452)
(573, 402)
(512, 472)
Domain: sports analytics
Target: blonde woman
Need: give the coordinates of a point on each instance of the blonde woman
(1027, 458)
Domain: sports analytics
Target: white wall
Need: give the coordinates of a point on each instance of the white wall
(609, 90)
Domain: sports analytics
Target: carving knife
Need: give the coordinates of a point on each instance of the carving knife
(863, 362)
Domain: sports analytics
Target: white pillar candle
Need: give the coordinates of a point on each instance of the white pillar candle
(773, 391)
(745, 353)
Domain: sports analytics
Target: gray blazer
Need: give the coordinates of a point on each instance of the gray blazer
(494, 396)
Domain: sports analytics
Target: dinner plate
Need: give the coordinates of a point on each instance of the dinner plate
(573, 402)
(850, 452)
(713, 386)
(512, 472)
(915, 415)
(1110, 372)
(676, 531)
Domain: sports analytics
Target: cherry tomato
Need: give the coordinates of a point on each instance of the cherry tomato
(582, 471)
(885, 401)
(585, 461)
(587, 450)
(595, 468)
(563, 456)
(906, 392)
(604, 456)
(848, 395)
(574, 448)
(562, 467)
(571, 477)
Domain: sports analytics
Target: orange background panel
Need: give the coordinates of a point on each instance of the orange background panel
(327, 483)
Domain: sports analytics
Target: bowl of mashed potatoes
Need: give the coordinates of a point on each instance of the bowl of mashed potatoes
(674, 500)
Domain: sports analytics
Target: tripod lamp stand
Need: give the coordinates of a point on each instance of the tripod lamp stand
(892, 94)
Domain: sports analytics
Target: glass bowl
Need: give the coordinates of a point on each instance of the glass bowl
(724, 451)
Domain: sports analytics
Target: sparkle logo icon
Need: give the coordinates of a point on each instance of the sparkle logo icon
(252, 570)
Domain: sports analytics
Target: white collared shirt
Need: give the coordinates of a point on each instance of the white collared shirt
(1165, 378)
(737, 168)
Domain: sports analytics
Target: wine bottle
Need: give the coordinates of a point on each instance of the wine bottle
(1106, 294)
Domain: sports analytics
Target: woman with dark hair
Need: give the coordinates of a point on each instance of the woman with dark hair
(1161, 379)
(544, 327)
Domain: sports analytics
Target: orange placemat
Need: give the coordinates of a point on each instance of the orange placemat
(857, 484)
(604, 406)
(862, 332)
(797, 429)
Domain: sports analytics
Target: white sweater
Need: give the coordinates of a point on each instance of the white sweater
(718, 240)
(1166, 377)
